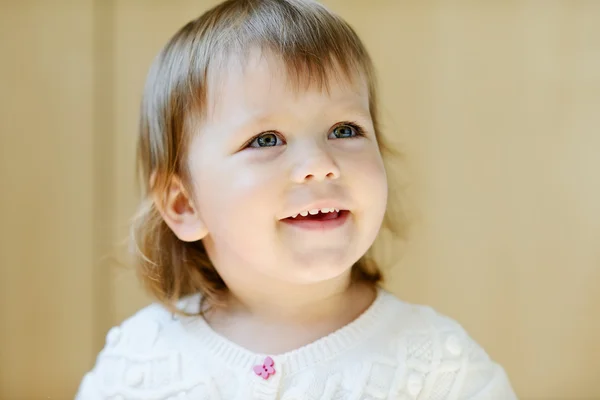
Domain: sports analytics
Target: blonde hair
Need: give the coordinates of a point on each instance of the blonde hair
(312, 43)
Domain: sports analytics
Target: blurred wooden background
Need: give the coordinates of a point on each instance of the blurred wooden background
(496, 103)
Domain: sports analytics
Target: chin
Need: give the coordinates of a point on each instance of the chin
(319, 269)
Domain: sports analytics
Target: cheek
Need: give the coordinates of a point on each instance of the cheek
(238, 196)
(371, 194)
(369, 178)
(241, 216)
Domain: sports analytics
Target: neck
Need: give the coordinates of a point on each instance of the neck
(299, 304)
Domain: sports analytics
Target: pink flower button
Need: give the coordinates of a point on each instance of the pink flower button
(266, 369)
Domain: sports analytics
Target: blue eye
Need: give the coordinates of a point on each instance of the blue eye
(265, 140)
(344, 131)
(347, 131)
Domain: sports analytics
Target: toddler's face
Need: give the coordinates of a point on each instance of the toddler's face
(266, 152)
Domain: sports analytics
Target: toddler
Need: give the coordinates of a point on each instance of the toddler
(264, 189)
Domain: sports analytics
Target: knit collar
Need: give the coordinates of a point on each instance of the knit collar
(319, 351)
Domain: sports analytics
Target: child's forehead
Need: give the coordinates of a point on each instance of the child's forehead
(262, 79)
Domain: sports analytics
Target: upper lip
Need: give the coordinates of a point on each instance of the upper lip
(318, 205)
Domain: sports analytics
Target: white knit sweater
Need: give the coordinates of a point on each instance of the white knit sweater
(394, 350)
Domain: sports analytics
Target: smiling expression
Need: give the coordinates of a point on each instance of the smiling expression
(266, 152)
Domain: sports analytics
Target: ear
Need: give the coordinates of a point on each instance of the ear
(178, 211)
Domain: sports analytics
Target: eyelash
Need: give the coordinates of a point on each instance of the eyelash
(359, 132)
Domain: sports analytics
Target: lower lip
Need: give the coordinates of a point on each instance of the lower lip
(320, 225)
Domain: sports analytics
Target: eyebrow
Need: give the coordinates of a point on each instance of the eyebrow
(361, 113)
(342, 114)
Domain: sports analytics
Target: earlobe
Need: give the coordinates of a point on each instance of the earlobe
(178, 211)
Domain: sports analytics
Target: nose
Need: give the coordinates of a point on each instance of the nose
(317, 165)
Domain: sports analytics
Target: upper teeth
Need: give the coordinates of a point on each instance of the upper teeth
(316, 211)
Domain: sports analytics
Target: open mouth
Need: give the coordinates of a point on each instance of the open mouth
(320, 220)
(321, 215)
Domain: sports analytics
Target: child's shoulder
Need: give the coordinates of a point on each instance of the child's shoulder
(442, 355)
(149, 328)
(149, 341)
(428, 333)
(415, 317)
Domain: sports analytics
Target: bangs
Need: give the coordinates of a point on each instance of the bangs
(313, 44)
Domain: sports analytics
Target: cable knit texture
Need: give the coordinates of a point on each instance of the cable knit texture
(394, 350)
